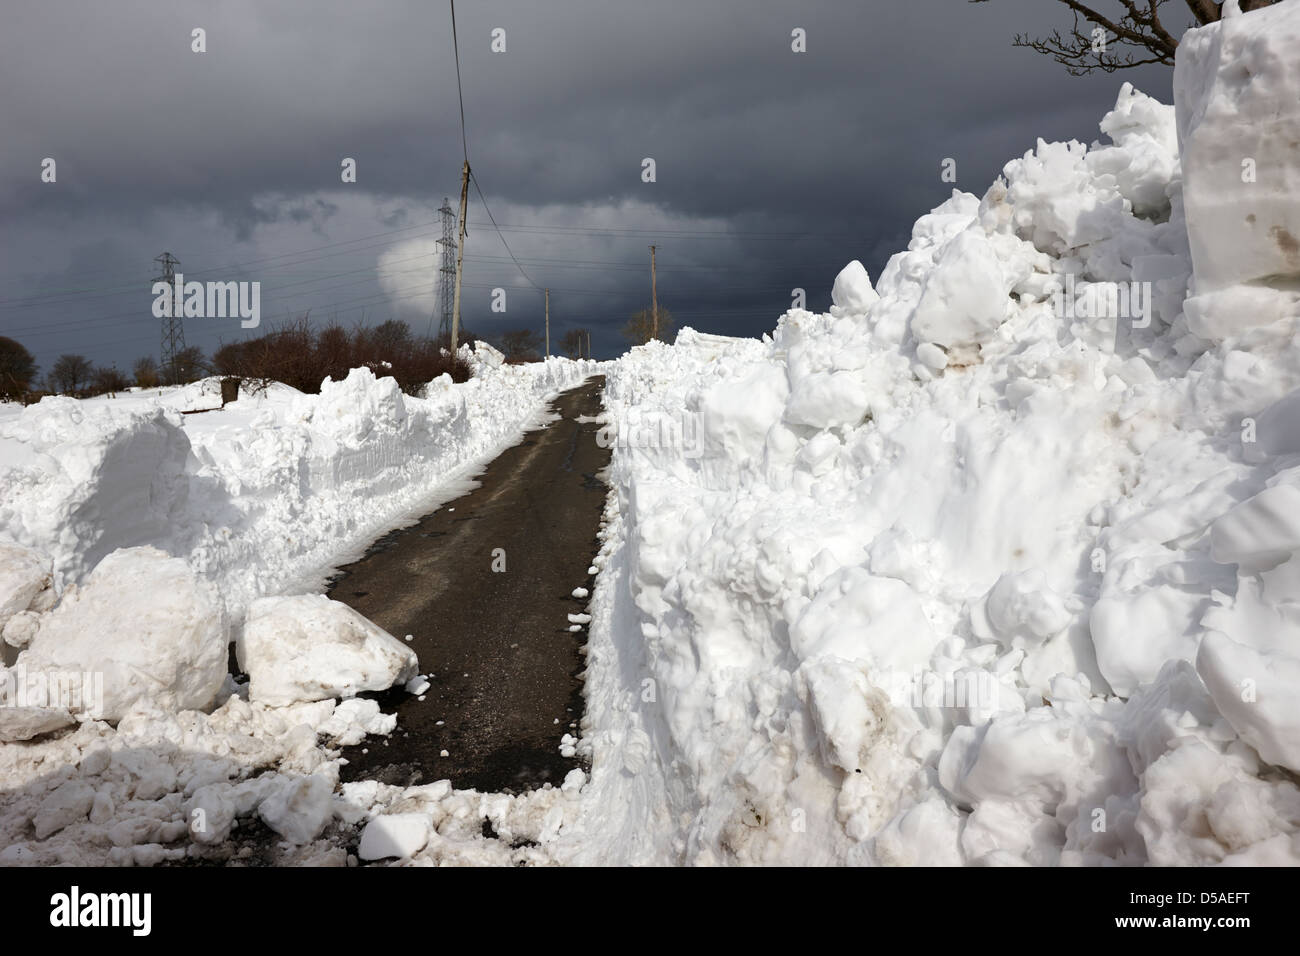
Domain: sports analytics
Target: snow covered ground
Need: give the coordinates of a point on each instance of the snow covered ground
(994, 563)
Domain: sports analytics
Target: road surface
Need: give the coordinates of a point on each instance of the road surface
(505, 688)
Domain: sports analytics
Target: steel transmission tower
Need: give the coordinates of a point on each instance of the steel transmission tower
(447, 271)
(173, 331)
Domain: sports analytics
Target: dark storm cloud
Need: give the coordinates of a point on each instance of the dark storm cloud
(230, 158)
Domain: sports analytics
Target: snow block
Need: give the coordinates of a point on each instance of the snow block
(965, 297)
(147, 624)
(852, 293)
(23, 575)
(1237, 93)
(308, 647)
(399, 835)
(1261, 532)
(1255, 691)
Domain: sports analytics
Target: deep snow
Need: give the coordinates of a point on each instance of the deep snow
(994, 563)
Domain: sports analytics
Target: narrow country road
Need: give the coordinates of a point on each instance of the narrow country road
(498, 641)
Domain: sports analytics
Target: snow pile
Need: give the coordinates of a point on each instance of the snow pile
(193, 786)
(79, 479)
(308, 647)
(996, 563)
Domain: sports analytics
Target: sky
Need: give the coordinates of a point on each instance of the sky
(773, 168)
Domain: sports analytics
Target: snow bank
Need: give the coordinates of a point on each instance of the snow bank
(267, 493)
(995, 564)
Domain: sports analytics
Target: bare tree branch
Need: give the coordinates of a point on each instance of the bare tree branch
(1133, 36)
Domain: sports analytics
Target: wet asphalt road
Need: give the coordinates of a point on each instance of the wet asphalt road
(499, 643)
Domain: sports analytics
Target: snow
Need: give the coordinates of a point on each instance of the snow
(24, 574)
(145, 625)
(852, 293)
(1234, 120)
(268, 494)
(999, 567)
(308, 647)
(994, 563)
(395, 835)
(134, 543)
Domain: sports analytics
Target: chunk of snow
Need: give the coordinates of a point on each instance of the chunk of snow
(417, 685)
(1256, 692)
(965, 298)
(308, 647)
(1235, 86)
(400, 835)
(23, 575)
(298, 808)
(851, 293)
(147, 624)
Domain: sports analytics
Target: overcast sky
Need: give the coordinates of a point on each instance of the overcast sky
(773, 168)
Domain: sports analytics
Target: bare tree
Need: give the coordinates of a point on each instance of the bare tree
(1110, 35)
(70, 374)
(521, 345)
(17, 369)
(640, 327)
(145, 371)
(188, 366)
(108, 380)
(573, 341)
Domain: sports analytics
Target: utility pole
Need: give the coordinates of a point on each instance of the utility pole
(447, 270)
(654, 297)
(548, 323)
(460, 255)
(173, 329)
(588, 345)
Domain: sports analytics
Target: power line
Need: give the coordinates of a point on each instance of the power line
(455, 45)
(491, 219)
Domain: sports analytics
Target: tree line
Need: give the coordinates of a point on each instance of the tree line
(299, 354)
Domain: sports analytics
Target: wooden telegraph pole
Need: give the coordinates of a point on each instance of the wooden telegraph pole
(460, 257)
(654, 298)
(548, 323)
